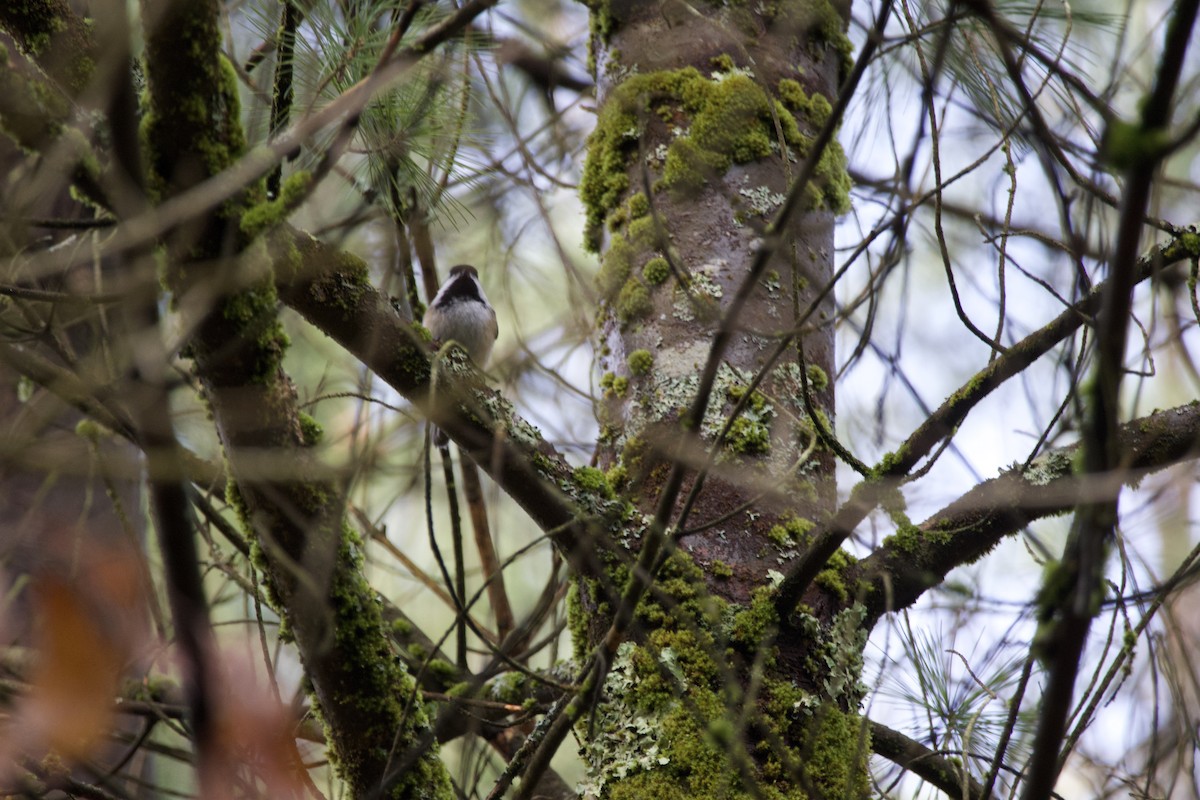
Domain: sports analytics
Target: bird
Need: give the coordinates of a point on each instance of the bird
(460, 313)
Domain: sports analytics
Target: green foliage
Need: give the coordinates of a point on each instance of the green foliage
(410, 134)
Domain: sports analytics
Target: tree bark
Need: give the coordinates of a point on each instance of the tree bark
(716, 342)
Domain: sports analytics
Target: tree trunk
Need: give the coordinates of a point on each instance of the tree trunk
(704, 126)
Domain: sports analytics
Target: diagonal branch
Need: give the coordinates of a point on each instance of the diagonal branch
(945, 420)
(927, 764)
(330, 290)
(912, 561)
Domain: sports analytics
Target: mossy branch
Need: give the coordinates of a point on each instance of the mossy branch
(38, 116)
(867, 495)
(330, 289)
(58, 38)
(912, 561)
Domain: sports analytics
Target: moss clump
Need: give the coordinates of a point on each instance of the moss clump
(1190, 241)
(757, 403)
(620, 386)
(816, 108)
(646, 234)
(748, 437)
(732, 121)
(719, 569)
(634, 301)
(592, 480)
(792, 94)
(722, 63)
(253, 311)
(310, 430)
(616, 267)
(818, 380)
(640, 362)
(91, 430)
(292, 192)
(618, 476)
(639, 206)
(656, 271)
(833, 577)
(790, 532)
(753, 625)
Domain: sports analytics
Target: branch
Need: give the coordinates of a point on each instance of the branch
(214, 190)
(910, 562)
(945, 420)
(56, 36)
(923, 762)
(330, 290)
(36, 114)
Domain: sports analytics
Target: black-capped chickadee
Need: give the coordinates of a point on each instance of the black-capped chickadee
(461, 313)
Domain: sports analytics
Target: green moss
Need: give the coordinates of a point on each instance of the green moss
(732, 120)
(833, 577)
(791, 532)
(620, 386)
(748, 437)
(1190, 241)
(827, 32)
(907, 539)
(657, 270)
(792, 94)
(261, 216)
(720, 569)
(1128, 145)
(722, 63)
(755, 624)
(688, 167)
(445, 673)
(34, 110)
(261, 335)
(819, 110)
(649, 742)
(645, 234)
(836, 753)
(758, 401)
(590, 479)
(640, 362)
(311, 430)
(617, 219)
(818, 380)
(54, 36)
(831, 181)
(601, 20)
(373, 687)
(618, 476)
(634, 301)
(639, 206)
(616, 267)
(91, 430)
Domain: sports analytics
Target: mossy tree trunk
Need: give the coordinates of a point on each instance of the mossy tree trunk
(705, 123)
(379, 737)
